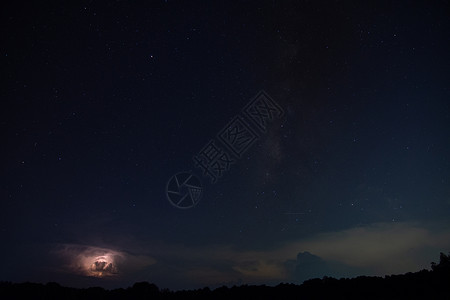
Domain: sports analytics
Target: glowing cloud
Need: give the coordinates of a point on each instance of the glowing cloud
(100, 262)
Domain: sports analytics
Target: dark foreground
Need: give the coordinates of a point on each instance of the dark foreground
(434, 284)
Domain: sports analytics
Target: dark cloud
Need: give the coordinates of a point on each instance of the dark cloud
(309, 266)
(376, 249)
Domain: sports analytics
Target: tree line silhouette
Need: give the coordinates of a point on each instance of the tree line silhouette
(425, 284)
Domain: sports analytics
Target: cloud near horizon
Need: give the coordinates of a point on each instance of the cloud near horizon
(377, 249)
(381, 248)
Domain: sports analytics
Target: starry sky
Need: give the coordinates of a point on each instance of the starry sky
(102, 103)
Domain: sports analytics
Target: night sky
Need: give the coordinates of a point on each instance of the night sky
(102, 103)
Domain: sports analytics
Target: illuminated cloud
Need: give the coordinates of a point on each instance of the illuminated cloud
(100, 262)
